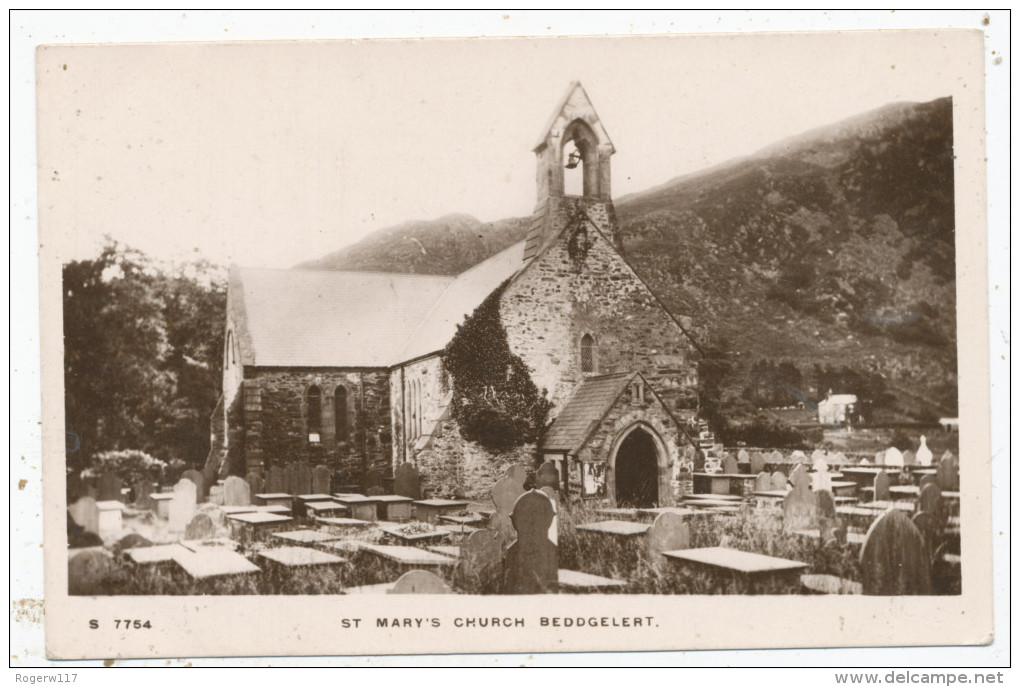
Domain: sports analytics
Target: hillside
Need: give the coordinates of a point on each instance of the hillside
(835, 247)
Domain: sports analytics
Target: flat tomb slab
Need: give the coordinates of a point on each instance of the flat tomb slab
(213, 563)
(735, 561)
(622, 528)
(146, 555)
(857, 511)
(235, 510)
(217, 544)
(353, 498)
(451, 551)
(278, 508)
(574, 579)
(260, 518)
(463, 519)
(161, 497)
(908, 489)
(411, 534)
(853, 538)
(683, 512)
(886, 505)
(299, 556)
(627, 513)
(305, 536)
(314, 497)
(393, 498)
(772, 494)
(711, 497)
(407, 555)
(345, 522)
(323, 507)
(441, 503)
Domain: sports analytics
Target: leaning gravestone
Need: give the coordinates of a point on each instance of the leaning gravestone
(85, 513)
(924, 453)
(893, 457)
(729, 465)
(320, 480)
(894, 561)
(929, 529)
(948, 472)
(481, 562)
(182, 505)
(419, 582)
(505, 493)
(763, 482)
(236, 492)
(930, 501)
(669, 532)
(302, 478)
(109, 487)
(799, 510)
(531, 561)
(256, 483)
(407, 481)
(779, 481)
(199, 479)
(86, 571)
(373, 478)
(757, 462)
(882, 487)
(200, 527)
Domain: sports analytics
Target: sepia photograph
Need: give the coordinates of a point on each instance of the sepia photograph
(548, 335)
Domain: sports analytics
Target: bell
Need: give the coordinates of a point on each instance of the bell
(573, 159)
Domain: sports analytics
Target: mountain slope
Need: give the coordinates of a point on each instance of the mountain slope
(834, 247)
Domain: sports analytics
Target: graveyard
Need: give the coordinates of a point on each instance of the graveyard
(753, 522)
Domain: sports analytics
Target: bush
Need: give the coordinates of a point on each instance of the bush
(129, 465)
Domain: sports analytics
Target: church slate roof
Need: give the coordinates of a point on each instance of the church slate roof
(303, 318)
(583, 412)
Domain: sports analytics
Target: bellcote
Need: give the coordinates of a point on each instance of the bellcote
(574, 137)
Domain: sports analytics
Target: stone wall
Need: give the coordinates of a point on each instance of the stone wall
(276, 420)
(581, 285)
(421, 387)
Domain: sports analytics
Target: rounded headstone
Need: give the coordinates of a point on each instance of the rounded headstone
(200, 527)
(87, 570)
(894, 561)
(419, 582)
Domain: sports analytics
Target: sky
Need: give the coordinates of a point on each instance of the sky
(271, 153)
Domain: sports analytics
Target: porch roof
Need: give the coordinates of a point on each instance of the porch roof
(583, 412)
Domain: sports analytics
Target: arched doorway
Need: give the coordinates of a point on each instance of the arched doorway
(637, 471)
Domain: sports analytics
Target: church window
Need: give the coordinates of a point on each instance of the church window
(340, 412)
(314, 413)
(229, 356)
(587, 354)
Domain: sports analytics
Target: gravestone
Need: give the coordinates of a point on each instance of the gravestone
(200, 527)
(518, 473)
(109, 487)
(302, 478)
(130, 541)
(729, 465)
(893, 457)
(320, 480)
(743, 456)
(798, 457)
(929, 479)
(215, 495)
(799, 510)
(419, 582)
(407, 481)
(505, 493)
(894, 561)
(924, 456)
(86, 571)
(821, 478)
(779, 481)
(182, 505)
(930, 501)
(908, 459)
(236, 492)
(669, 532)
(290, 479)
(825, 504)
(948, 472)
(199, 479)
(929, 529)
(373, 478)
(554, 526)
(882, 487)
(276, 481)
(78, 537)
(85, 514)
(481, 562)
(256, 484)
(816, 456)
(757, 462)
(531, 561)
(838, 459)
(830, 529)
(777, 457)
(143, 492)
(376, 491)
(548, 476)
(763, 482)
(880, 458)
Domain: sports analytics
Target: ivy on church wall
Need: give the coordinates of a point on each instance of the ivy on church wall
(494, 400)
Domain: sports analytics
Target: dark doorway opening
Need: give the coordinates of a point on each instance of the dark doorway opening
(637, 472)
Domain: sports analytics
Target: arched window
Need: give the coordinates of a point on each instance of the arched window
(314, 412)
(587, 354)
(229, 358)
(340, 412)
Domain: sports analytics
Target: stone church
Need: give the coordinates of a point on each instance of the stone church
(347, 369)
